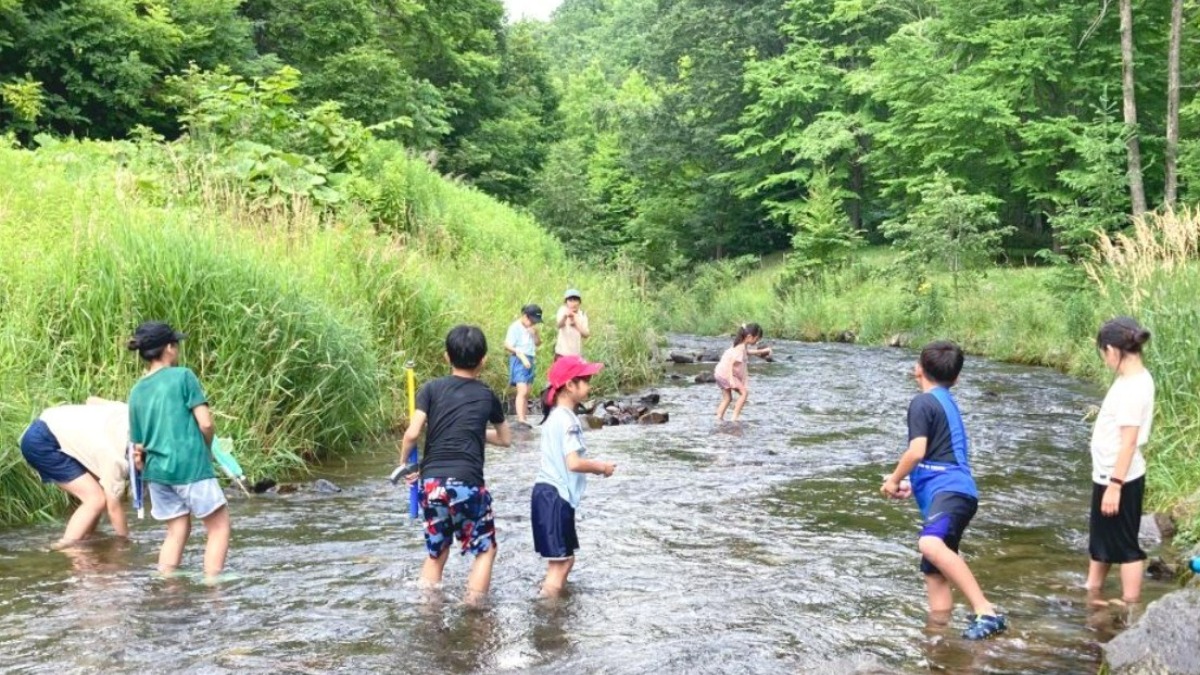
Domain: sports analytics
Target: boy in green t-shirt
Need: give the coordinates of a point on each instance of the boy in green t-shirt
(172, 428)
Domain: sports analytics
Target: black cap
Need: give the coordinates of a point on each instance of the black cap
(533, 312)
(154, 334)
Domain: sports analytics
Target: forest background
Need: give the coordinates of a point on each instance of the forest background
(1004, 173)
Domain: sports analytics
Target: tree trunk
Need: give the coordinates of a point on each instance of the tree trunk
(1172, 153)
(1137, 190)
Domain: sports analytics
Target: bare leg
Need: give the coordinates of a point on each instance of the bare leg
(480, 578)
(522, 396)
(941, 600)
(91, 504)
(724, 405)
(1097, 571)
(741, 402)
(955, 569)
(216, 546)
(171, 554)
(556, 576)
(431, 571)
(1131, 581)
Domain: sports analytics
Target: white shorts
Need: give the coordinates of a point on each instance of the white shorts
(200, 499)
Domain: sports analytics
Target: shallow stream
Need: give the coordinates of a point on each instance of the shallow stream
(758, 547)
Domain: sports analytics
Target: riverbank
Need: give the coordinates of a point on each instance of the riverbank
(300, 319)
(1028, 315)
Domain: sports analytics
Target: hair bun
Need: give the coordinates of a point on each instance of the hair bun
(134, 344)
(1142, 336)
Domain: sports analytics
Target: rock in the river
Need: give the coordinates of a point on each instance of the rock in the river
(1148, 533)
(845, 336)
(654, 417)
(675, 377)
(591, 421)
(652, 398)
(710, 356)
(1166, 525)
(263, 486)
(681, 357)
(1161, 570)
(705, 378)
(611, 420)
(326, 487)
(1164, 640)
(899, 340)
(626, 418)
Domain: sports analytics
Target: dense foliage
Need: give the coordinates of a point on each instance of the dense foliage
(696, 129)
(446, 76)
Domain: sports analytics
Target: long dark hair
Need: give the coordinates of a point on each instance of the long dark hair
(746, 330)
(1124, 333)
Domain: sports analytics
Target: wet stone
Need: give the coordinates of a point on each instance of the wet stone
(1162, 641)
(681, 357)
(591, 421)
(705, 378)
(325, 487)
(654, 417)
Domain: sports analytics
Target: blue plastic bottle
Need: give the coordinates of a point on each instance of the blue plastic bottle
(1195, 565)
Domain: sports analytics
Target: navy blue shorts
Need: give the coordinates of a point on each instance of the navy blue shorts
(949, 515)
(553, 521)
(518, 373)
(43, 452)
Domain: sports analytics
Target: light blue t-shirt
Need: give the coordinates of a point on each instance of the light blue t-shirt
(521, 339)
(562, 435)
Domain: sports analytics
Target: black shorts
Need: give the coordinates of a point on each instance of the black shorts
(949, 515)
(1114, 539)
(553, 521)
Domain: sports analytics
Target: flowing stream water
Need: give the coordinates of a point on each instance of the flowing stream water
(761, 547)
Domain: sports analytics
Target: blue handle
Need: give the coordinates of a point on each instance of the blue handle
(414, 491)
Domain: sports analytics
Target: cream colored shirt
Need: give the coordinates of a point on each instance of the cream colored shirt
(96, 435)
(1129, 403)
(570, 338)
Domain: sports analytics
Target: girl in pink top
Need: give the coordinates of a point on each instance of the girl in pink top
(730, 373)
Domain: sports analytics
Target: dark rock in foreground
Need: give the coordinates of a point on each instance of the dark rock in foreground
(1164, 640)
(654, 417)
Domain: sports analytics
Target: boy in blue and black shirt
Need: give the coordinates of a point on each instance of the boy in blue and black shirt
(940, 472)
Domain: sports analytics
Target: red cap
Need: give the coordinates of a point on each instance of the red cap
(566, 369)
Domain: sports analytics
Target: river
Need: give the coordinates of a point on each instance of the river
(754, 548)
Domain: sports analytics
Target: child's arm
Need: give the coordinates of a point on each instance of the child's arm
(412, 434)
(578, 464)
(581, 324)
(116, 515)
(1110, 504)
(908, 461)
(765, 351)
(204, 420)
(500, 435)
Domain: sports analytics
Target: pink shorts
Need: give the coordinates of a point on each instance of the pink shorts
(726, 385)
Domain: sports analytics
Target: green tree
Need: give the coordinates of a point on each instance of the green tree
(949, 229)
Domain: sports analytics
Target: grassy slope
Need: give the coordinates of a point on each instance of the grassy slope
(299, 329)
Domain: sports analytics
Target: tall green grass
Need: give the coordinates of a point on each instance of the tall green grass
(299, 324)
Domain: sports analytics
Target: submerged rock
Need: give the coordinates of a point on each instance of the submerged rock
(1162, 641)
(325, 487)
(899, 340)
(705, 378)
(681, 357)
(710, 356)
(847, 336)
(653, 398)
(591, 421)
(654, 417)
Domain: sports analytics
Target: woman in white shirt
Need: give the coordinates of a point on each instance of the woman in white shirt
(1118, 467)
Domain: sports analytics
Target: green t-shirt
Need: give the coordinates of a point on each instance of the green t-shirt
(160, 418)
